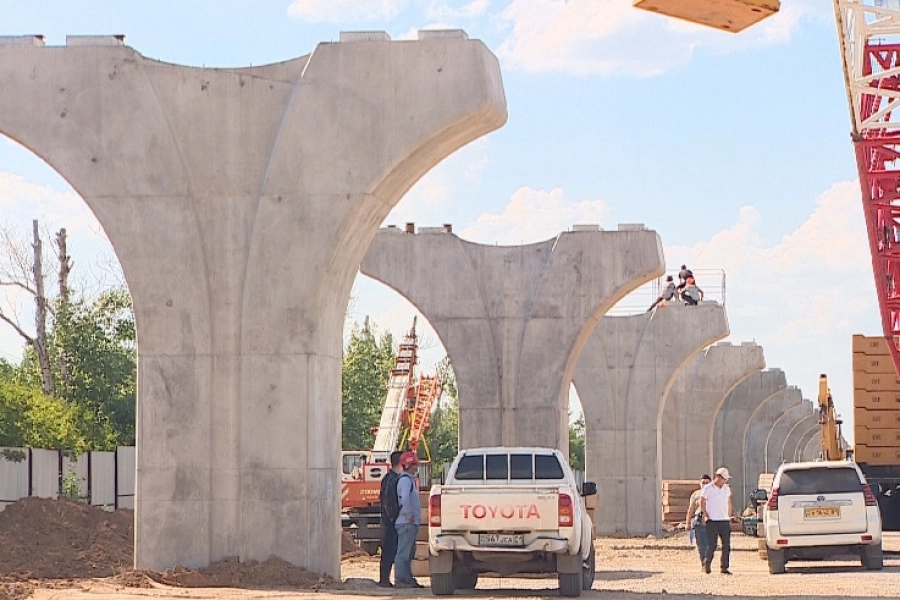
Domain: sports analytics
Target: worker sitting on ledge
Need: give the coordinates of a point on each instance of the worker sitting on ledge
(667, 294)
(692, 294)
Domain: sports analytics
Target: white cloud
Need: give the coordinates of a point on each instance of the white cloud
(447, 12)
(335, 11)
(603, 37)
(533, 216)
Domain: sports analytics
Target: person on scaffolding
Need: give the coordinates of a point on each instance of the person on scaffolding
(666, 295)
(692, 294)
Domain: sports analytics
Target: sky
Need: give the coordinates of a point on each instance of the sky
(734, 148)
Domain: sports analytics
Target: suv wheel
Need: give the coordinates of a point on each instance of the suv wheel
(589, 570)
(777, 560)
(872, 557)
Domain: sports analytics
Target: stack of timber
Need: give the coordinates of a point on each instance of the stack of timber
(876, 403)
(676, 496)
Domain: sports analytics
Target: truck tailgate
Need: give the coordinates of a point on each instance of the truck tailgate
(487, 509)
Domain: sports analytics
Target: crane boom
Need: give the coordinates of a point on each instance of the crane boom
(832, 447)
(869, 36)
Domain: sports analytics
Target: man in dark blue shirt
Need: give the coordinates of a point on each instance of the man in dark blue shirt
(388, 527)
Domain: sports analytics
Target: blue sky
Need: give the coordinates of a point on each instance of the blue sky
(734, 148)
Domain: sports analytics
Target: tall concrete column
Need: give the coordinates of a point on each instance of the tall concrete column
(757, 434)
(626, 370)
(813, 447)
(693, 402)
(812, 433)
(779, 432)
(240, 203)
(792, 441)
(514, 319)
(734, 418)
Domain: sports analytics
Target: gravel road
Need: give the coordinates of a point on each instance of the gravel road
(628, 569)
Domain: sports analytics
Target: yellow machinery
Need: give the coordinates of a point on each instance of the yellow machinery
(832, 448)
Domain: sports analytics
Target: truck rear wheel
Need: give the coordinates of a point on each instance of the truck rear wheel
(570, 584)
(442, 584)
(777, 560)
(589, 570)
(873, 558)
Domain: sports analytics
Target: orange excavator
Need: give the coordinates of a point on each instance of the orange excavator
(403, 426)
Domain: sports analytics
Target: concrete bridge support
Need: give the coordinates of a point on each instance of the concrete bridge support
(240, 203)
(757, 435)
(792, 441)
(734, 417)
(692, 404)
(628, 367)
(812, 433)
(813, 447)
(779, 433)
(514, 319)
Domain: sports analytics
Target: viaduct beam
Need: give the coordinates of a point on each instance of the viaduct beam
(792, 441)
(240, 203)
(802, 453)
(627, 369)
(779, 432)
(692, 404)
(734, 418)
(755, 438)
(514, 319)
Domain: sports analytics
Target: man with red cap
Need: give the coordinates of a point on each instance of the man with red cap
(407, 522)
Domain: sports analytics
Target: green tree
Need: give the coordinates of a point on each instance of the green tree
(365, 371)
(443, 437)
(576, 444)
(29, 418)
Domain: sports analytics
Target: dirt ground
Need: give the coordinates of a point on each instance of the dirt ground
(80, 555)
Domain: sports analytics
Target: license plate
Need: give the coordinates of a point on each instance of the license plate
(501, 539)
(822, 512)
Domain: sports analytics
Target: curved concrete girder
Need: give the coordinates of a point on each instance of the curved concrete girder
(757, 434)
(779, 432)
(734, 418)
(792, 441)
(626, 370)
(692, 404)
(813, 448)
(514, 319)
(812, 433)
(240, 203)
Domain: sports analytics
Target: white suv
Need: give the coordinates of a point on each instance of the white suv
(819, 510)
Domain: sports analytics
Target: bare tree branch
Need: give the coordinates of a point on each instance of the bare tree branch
(18, 329)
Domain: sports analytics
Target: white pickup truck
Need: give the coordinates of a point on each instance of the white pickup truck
(510, 510)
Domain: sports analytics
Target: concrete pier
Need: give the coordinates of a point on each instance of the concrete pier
(693, 403)
(240, 203)
(813, 447)
(792, 441)
(757, 435)
(514, 319)
(733, 420)
(812, 433)
(626, 370)
(780, 430)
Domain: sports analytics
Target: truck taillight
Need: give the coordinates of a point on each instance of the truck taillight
(772, 504)
(870, 497)
(434, 511)
(566, 518)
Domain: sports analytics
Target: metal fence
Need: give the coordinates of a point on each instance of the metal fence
(98, 478)
(711, 281)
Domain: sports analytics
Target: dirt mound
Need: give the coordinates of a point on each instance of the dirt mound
(349, 547)
(14, 588)
(56, 539)
(230, 572)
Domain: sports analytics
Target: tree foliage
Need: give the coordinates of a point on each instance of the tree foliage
(29, 418)
(443, 437)
(365, 371)
(576, 444)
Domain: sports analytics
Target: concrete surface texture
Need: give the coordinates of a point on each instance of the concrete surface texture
(625, 372)
(792, 440)
(757, 434)
(813, 447)
(514, 319)
(802, 452)
(733, 419)
(240, 203)
(692, 404)
(783, 425)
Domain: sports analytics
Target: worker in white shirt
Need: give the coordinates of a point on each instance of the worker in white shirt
(715, 504)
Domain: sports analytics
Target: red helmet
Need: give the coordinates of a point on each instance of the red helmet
(408, 459)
